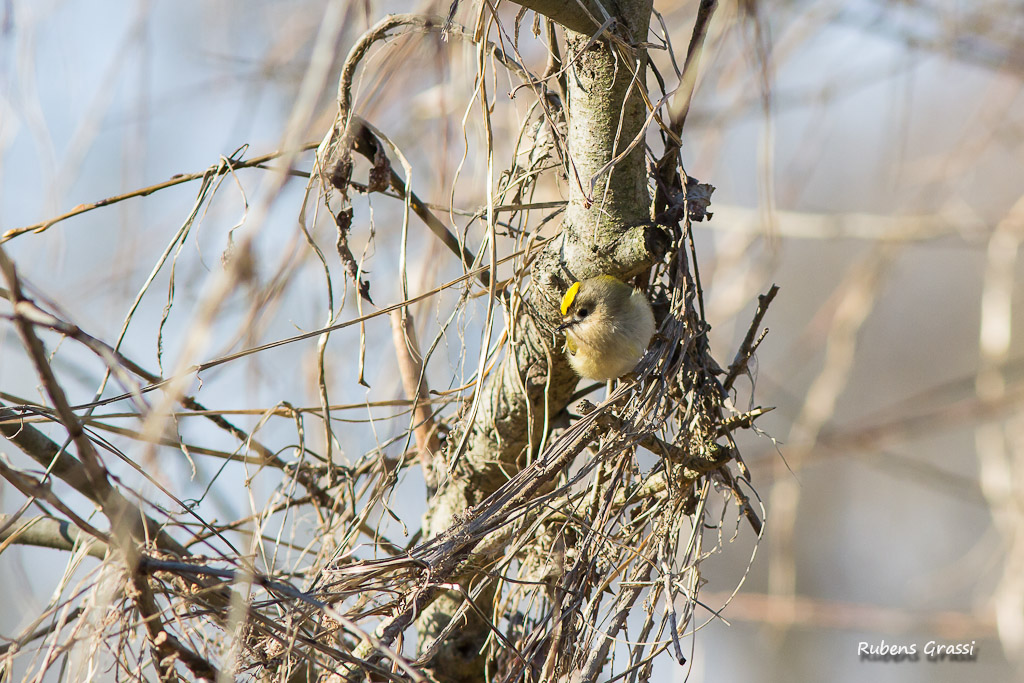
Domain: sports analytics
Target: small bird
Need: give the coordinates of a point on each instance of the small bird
(607, 326)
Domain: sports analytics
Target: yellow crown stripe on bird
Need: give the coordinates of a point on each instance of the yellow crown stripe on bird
(569, 297)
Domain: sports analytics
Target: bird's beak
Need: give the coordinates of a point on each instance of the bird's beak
(565, 326)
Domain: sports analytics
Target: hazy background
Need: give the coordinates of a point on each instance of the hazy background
(878, 182)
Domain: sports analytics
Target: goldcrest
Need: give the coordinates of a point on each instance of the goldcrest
(607, 326)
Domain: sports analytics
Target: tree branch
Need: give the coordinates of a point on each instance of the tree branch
(581, 16)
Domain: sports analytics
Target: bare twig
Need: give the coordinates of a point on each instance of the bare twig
(178, 179)
(168, 649)
(668, 165)
(410, 367)
(749, 344)
(89, 481)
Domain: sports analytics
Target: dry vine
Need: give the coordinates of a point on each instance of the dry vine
(581, 555)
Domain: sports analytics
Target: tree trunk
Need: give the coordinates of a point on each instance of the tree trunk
(607, 229)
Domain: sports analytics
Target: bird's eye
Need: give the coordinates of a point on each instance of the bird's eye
(582, 313)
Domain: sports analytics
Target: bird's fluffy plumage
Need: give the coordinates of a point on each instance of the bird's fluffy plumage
(607, 326)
